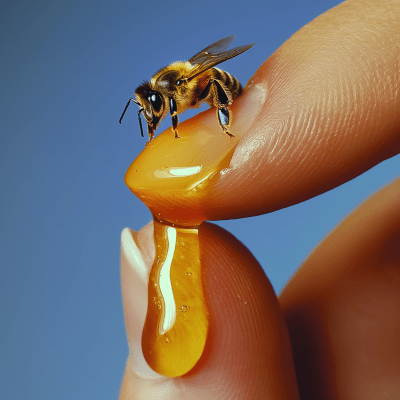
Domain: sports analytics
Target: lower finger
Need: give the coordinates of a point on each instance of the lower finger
(248, 353)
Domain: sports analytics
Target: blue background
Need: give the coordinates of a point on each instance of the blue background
(67, 70)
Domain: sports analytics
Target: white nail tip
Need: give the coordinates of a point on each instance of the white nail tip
(132, 253)
(251, 103)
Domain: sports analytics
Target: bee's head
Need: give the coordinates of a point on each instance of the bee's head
(153, 103)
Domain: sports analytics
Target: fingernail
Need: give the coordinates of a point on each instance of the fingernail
(134, 278)
(247, 107)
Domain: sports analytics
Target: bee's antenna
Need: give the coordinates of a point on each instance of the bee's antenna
(141, 109)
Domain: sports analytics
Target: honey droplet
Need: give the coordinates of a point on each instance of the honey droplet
(173, 178)
(186, 336)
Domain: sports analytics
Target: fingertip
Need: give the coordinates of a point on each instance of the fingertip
(331, 113)
(248, 350)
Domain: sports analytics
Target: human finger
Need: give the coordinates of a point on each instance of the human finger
(248, 353)
(324, 108)
(342, 306)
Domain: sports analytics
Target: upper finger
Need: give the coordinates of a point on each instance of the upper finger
(331, 112)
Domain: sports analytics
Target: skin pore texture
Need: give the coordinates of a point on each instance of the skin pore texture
(324, 108)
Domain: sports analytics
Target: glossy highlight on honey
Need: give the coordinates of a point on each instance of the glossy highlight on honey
(173, 177)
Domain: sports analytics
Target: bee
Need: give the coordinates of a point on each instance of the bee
(187, 84)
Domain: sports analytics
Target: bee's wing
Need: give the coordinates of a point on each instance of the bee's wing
(206, 60)
(214, 48)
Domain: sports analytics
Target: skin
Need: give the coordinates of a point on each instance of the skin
(331, 112)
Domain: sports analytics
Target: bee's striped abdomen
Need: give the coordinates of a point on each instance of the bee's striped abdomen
(231, 83)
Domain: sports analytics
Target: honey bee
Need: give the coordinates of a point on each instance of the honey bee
(187, 84)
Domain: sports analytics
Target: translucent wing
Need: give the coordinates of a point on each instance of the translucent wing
(214, 48)
(214, 55)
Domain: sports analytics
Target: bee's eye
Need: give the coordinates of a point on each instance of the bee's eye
(179, 82)
(156, 101)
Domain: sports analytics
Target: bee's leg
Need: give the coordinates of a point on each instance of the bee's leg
(173, 110)
(151, 134)
(174, 125)
(222, 100)
(224, 119)
(140, 121)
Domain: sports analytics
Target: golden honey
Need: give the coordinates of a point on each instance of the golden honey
(176, 326)
(173, 178)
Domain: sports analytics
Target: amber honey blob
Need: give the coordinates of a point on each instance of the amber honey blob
(173, 177)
